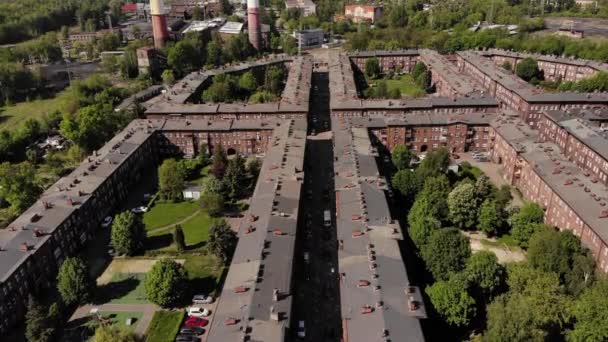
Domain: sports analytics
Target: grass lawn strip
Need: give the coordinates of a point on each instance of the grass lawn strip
(167, 213)
(135, 295)
(12, 117)
(164, 326)
(196, 230)
(406, 85)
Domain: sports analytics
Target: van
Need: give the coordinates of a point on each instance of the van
(327, 218)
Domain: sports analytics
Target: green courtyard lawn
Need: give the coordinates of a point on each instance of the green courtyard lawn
(125, 288)
(119, 319)
(11, 117)
(406, 85)
(164, 326)
(163, 214)
(196, 230)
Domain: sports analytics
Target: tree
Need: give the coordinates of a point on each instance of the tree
(452, 301)
(74, 282)
(128, 233)
(590, 312)
(436, 190)
(527, 69)
(273, 79)
(436, 163)
(235, 178)
(462, 203)
(421, 222)
(222, 240)
(219, 162)
(509, 320)
(418, 69)
(179, 239)
(182, 56)
(168, 77)
(447, 251)
(401, 157)
(485, 274)
(171, 180)
(490, 218)
(398, 16)
(549, 251)
(525, 222)
(165, 283)
(39, 323)
(372, 68)
(108, 333)
(406, 183)
(484, 188)
(18, 185)
(213, 203)
(507, 66)
(248, 82)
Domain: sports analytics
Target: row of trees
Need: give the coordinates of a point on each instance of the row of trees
(540, 299)
(256, 87)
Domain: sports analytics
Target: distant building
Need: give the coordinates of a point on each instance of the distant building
(306, 7)
(586, 3)
(309, 38)
(200, 26)
(230, 29)
(184, 9)
(363, 13)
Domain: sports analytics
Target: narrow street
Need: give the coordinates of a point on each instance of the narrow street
(317, 297)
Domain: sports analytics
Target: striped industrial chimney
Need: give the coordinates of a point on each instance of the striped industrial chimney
(159, 23)
(253, 23)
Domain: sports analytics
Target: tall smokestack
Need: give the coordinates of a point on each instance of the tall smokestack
(159, 23)
(254, 25)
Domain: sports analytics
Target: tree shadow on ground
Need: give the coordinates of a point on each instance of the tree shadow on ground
(116, 289)
(159, 241)
(196, 246)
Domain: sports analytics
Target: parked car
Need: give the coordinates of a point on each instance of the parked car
(197, 311)
(191, 331)
(186, 338)
(139, 210)
(301, 330)
(107, 222)
(202, 299)
(192, 321)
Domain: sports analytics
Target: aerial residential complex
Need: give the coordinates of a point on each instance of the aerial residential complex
(552, 146)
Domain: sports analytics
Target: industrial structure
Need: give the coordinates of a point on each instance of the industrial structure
(159, 23)
(254, 24)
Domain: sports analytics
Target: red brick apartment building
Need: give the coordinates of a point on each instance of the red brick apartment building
(389, 60)
(585, 146)
(554, 68)
(571, 199)
(363, 13)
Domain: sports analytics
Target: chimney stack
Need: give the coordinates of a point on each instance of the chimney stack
(253, 23)
(159, 23)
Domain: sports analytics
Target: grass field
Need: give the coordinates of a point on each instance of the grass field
(406, 85)
(167, 213)
(12, 116)
(127, 288)
(196, 230)
(164, 326)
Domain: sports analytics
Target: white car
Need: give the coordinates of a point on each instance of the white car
(107, 222)
(197, 311)
(202, 299)
(139, 210)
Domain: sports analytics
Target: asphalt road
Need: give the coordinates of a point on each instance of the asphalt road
(317, 300)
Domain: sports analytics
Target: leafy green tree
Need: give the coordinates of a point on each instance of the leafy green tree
(128, 233)
(419, 69)
(213, 203)
(406, 183)
(168, 77)
(214, 53)
(401, 157)
(108, 333)
(219, 162)
(222, 240)
(18, 185)
(211, 185)
(274, 78)
(235, 178)
(507, 66)
(485, 274)
(179, 238)
(262, 97)
(39, 323)
(165, 283)
(462, 203)
(372, 68)
(398, 16)
(452, 301)
(436, 163)
(248, 82)
(525, 222)
(590, 312)
(509, 320)
(550, 251)
(182, 56)
(491, 219)
(582, 273)
(74, 283)
(446, 252)
(527, 69)
(436, 190)
(171, 180)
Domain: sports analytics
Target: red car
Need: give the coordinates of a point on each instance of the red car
(192, 321)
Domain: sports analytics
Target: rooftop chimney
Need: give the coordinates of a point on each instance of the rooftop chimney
(159, 23)
(253, 23)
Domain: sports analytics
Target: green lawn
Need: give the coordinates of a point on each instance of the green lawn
(119, 319)
(196, 230)
(166, 213)
(204, 272)
(127, 288)
(164, 326)
(406, 85)
(12, 116)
